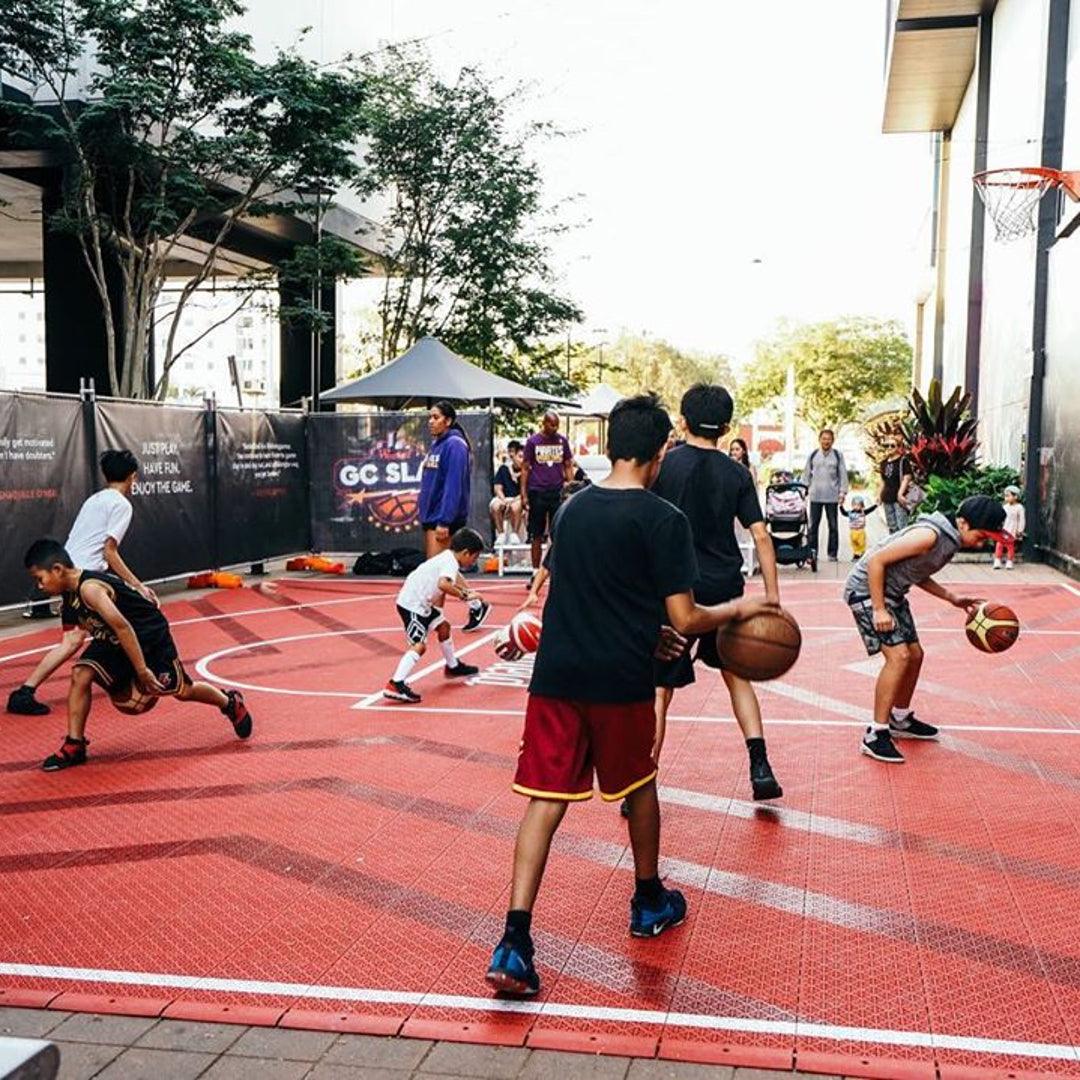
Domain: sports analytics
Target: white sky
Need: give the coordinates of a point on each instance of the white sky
(711, 133)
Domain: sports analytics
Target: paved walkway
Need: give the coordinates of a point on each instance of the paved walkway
(134, 1048)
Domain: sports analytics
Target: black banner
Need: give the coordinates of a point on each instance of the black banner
(44, 477)
(262, 486)
(365, 478)
(171, 527)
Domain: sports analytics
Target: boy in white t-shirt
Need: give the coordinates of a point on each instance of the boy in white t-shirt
(420, 604)
(93, 544)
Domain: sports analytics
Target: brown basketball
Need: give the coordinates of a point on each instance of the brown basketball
(993, 628)
(760, 648)
(133, 700)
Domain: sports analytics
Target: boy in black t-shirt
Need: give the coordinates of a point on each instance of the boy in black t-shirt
(132, 655)
(622, 564)
(712, 490)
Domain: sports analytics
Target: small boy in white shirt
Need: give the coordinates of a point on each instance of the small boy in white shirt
(93, 544)
(1015, 527)
(420, 605)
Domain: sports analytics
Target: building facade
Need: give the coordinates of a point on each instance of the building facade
(996, 85)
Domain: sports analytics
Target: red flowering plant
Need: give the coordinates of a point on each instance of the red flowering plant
(940, 433)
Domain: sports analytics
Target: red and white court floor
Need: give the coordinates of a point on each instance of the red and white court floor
(348, 867)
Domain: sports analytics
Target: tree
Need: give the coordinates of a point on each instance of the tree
(639, 363)
(842, 367)
(468, 258)
(178, 136)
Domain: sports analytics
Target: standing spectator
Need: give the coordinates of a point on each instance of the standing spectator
(740, 452)
(506, 503)
(1015, 527)
(548, 464)
(826, 477)
(444, 490)
(895, 472)
(445, 480)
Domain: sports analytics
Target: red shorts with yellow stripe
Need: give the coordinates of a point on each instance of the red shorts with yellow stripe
(565, 742)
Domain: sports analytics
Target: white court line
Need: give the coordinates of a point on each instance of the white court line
(366, 701)
(202, 666)
(240, 615)
(974, 1043)
(1069, 588)
(769, 721)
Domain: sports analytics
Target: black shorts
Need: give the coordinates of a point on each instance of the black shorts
(542, 507)
(673, 674)
(417, 626)
(115, 675)
(903, 633)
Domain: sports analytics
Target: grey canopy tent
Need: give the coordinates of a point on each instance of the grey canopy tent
(430, 371)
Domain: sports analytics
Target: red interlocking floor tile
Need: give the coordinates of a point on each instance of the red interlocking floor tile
(347, 869)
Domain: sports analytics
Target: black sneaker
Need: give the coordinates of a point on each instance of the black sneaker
(396, 690)
(238, 714)
(477, 617)
(71, 752)
(22, 702)
(879, 746)
(460, 670)
(763, 782)
(911, 728)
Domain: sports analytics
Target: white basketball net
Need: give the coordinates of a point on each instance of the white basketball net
(1011, 197)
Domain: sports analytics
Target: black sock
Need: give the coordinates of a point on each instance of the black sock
(518, 925)
(756, 749)
(648, 889)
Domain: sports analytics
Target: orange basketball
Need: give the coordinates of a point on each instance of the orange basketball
(993, 628)
(525, 631)
(133, 700)
(760, 648)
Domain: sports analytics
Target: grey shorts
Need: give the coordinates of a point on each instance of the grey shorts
(903, 633)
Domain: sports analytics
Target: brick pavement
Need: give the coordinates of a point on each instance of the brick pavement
(140, 1048)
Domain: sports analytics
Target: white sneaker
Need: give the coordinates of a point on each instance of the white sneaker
(1009, 565)
(997, 564)
(513, 538)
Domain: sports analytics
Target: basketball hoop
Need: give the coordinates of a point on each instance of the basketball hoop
(1012, 196)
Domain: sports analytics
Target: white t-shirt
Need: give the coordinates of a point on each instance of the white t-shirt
(104, 514)
(421, 588)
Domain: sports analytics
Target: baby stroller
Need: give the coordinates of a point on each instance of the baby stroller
(786, 520)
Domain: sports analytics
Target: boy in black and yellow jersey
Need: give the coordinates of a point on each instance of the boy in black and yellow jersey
(132, 655)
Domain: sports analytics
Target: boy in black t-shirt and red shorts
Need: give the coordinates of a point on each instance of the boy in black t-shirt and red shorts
(132, 655)
(591, 697)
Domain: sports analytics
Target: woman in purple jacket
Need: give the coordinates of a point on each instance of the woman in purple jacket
(444, 483)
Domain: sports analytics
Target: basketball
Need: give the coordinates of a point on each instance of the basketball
(993, 628)
(760, 648)
(133, 700)
(525, 631)
(505, 649)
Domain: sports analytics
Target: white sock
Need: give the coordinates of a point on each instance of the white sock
(475, 603)
(875, 728)
(405, 666)
(447, 647)
(900, 715)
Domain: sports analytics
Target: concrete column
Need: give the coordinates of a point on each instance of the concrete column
(74, 330)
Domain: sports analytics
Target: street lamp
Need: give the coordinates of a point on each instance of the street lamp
(317, 190)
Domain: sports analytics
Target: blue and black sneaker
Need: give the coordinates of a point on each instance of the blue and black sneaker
(511, 970)
(669, 911)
